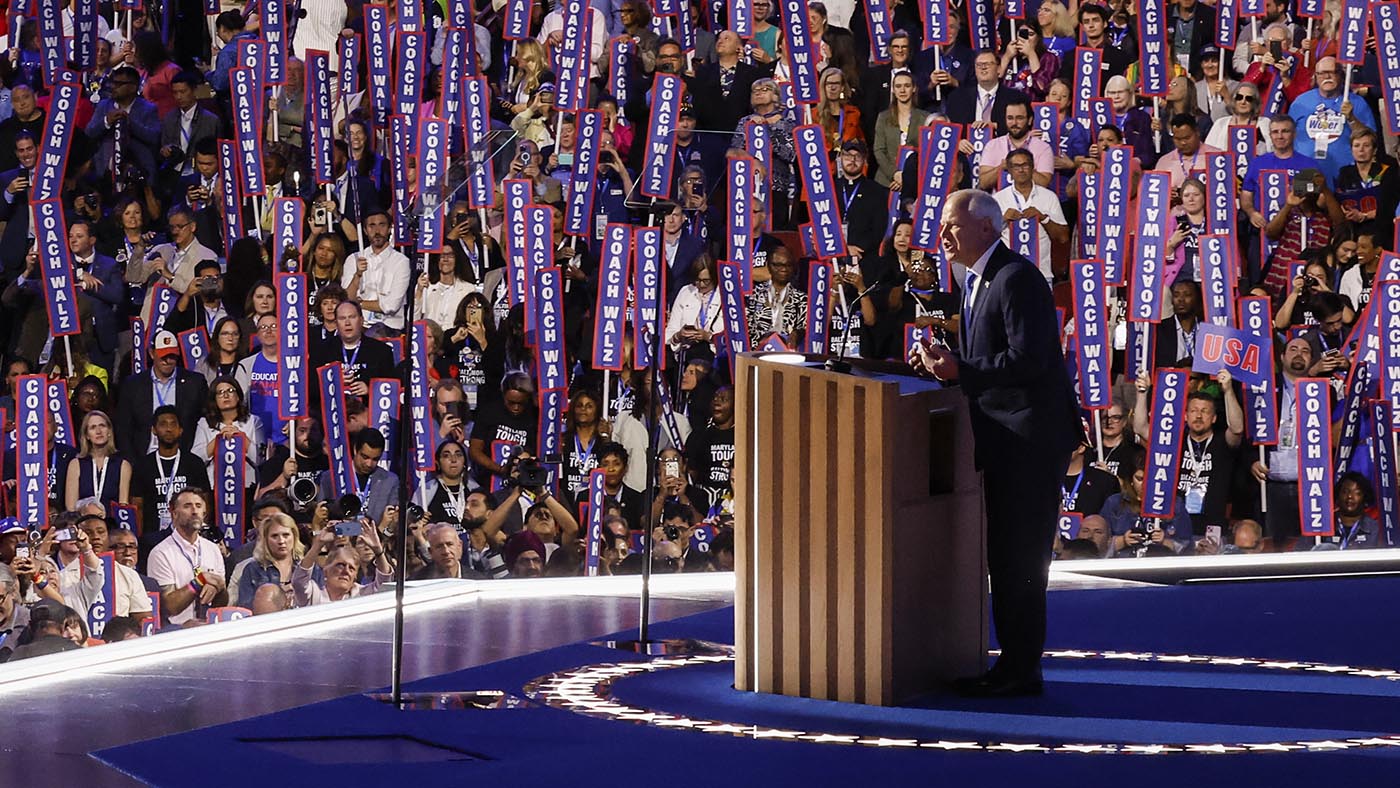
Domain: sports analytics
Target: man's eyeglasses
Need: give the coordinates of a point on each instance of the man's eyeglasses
(181, 225)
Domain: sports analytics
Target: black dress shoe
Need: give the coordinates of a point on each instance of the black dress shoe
(999, 685)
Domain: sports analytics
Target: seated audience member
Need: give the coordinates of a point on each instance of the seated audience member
(341, 572)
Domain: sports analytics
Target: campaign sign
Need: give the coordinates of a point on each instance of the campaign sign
(1025, 239)
(620, 51)
(648, 286)
(219, 615)
(1243, 141)
(377, 50)
(757, 143)
(517, 20)
(1164, 449)
(610, 314)
(385, 394)
(411, 47)
(162, 306)
(553, 402)
(151, 624)
(288, 218)
(47, 180)
(62, 418)
(1149, 261)
(818, 307)
(432, 178)
(938, 152)
(401, 144)
(457, 66)
(1089, 214)
(481, 175)
(56, 267)
(1351, 35)
(549, 329)
(348, 64)
(578, 219)
(815, 165)
(666, 93)
(539, 253)
(139, 346)
(518, 193)
(229, 459)
(331, 379)
(125, 515)
(247, 127)
(1069, 525)
(293, 359)
(1221, 197)
(52, 54)
(1095, 349)
(1115, 176)
(230, 193)
(597, 504)
(409, 14)
(420, 399)
(1385, 20)
(736, 325)
(194, 346)
(572, 57)
(802, 51)
(1100, 115)
(1251, 8)
(1314, 425)
(739, 218)
(1383, 464)
(936, 29)
(1272, 196)
(272, 25)
(1226, 24)
(879, 24)
(979, 136)
(1256, 317)
(84, 51)
(1217, 279)
(1222, 347)
(981, 28)
(1088, 72)
(103, 608)
(1155, 70)
(1045, 118)
(319, 115)
(1356, 403)
(31, 450)
(501, 454)
(1387, 300)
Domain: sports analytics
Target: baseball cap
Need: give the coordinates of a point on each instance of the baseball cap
(1210, 53)
(165, 344)
(687, 111)
(855, 145)
(10, 525)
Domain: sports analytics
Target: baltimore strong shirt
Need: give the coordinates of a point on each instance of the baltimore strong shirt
(156, 479)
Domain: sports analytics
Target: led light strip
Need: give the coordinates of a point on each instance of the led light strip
(588, 690)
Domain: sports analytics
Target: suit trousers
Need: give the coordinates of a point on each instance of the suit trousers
(1022, 487)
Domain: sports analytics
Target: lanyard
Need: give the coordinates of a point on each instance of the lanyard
(164, 390)
(363, 492)
(585, 455)
(1346, 540)
(99, 478)
(705, 309)
(349, 358)
(1198, 458)
(1188, 338)
(1071, 496)
(457, 502)
(846, 208)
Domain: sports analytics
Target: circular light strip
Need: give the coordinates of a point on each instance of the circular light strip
(588, 690)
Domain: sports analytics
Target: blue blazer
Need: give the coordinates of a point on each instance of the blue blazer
(106, 301)
(1011, 368)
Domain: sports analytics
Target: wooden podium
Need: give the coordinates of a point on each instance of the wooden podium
(859, 532)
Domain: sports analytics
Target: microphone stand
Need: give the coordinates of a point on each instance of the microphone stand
(840, 364)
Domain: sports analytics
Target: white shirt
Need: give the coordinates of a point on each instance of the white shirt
(81, 591)
(687, 311)
(979, 268)
(252, 429)
(386, 280)
(440, 302)
(172, 564)
(597, 48)
(1043, 200)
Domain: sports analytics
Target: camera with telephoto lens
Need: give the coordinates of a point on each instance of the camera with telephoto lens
(211, 532)
(302, 492)
(346, 507)
(132, 178)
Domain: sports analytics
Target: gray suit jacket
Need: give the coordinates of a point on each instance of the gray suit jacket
(205, 126)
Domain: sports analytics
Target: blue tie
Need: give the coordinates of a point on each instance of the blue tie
(968, 288)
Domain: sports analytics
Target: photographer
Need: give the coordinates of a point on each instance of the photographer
(1306, 297)
(342, 565)
(202, 302)
(674, 493)
(200, 191)
(374, 487)
(296, 475)
(529, 481)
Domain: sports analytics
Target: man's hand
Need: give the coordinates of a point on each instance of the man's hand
(361, 264)
(1259, 471)
(934, 360)
(18, 184)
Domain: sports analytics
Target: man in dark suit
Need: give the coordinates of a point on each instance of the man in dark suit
(182, 131)
(14, 240)
(1025, 422)
(875, 81)
(165, 383)
(983, 98)
(200, 191)
(719, 91)
(101, 294)
(137, 118)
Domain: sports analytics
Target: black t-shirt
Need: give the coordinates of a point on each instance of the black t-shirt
(578, 461)
(1206, 469)
(447, 503)
(494, 423)
(710, 456)
(1087, 491)
(155, 481)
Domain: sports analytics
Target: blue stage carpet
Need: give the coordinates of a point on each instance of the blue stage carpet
(1127, 699)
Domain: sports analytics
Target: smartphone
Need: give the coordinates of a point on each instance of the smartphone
(348, 528)
(65, 535)
(1276, 49)
(22, 551)
(457, 409)
(671, 467)
(1213, 532)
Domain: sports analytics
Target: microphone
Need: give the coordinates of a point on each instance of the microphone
(840, 364)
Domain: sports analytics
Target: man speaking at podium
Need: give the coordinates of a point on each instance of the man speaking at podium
(1024, 420)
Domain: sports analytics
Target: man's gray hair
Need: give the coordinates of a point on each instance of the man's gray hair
(980, 205)
(436, 527)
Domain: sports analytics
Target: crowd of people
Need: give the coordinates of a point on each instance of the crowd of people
(140, 398)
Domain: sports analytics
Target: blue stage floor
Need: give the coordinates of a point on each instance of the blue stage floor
(1305, 695)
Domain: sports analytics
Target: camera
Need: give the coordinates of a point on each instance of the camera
(348, 528)
(671, 532)
(413, 513)
(346, 507)
(532, 474)
(212, 533)
(65, 535)
(209, 286)
(302, 492)
(321, 215)
(1305, 182)
(90, 200)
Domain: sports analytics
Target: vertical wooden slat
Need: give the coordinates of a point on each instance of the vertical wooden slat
(819, 545)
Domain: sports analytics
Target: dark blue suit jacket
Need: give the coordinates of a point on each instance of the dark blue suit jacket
(1011, 367)
(106, 301)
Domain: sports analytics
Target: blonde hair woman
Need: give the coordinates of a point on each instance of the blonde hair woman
(277, 551)
(98, 470)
